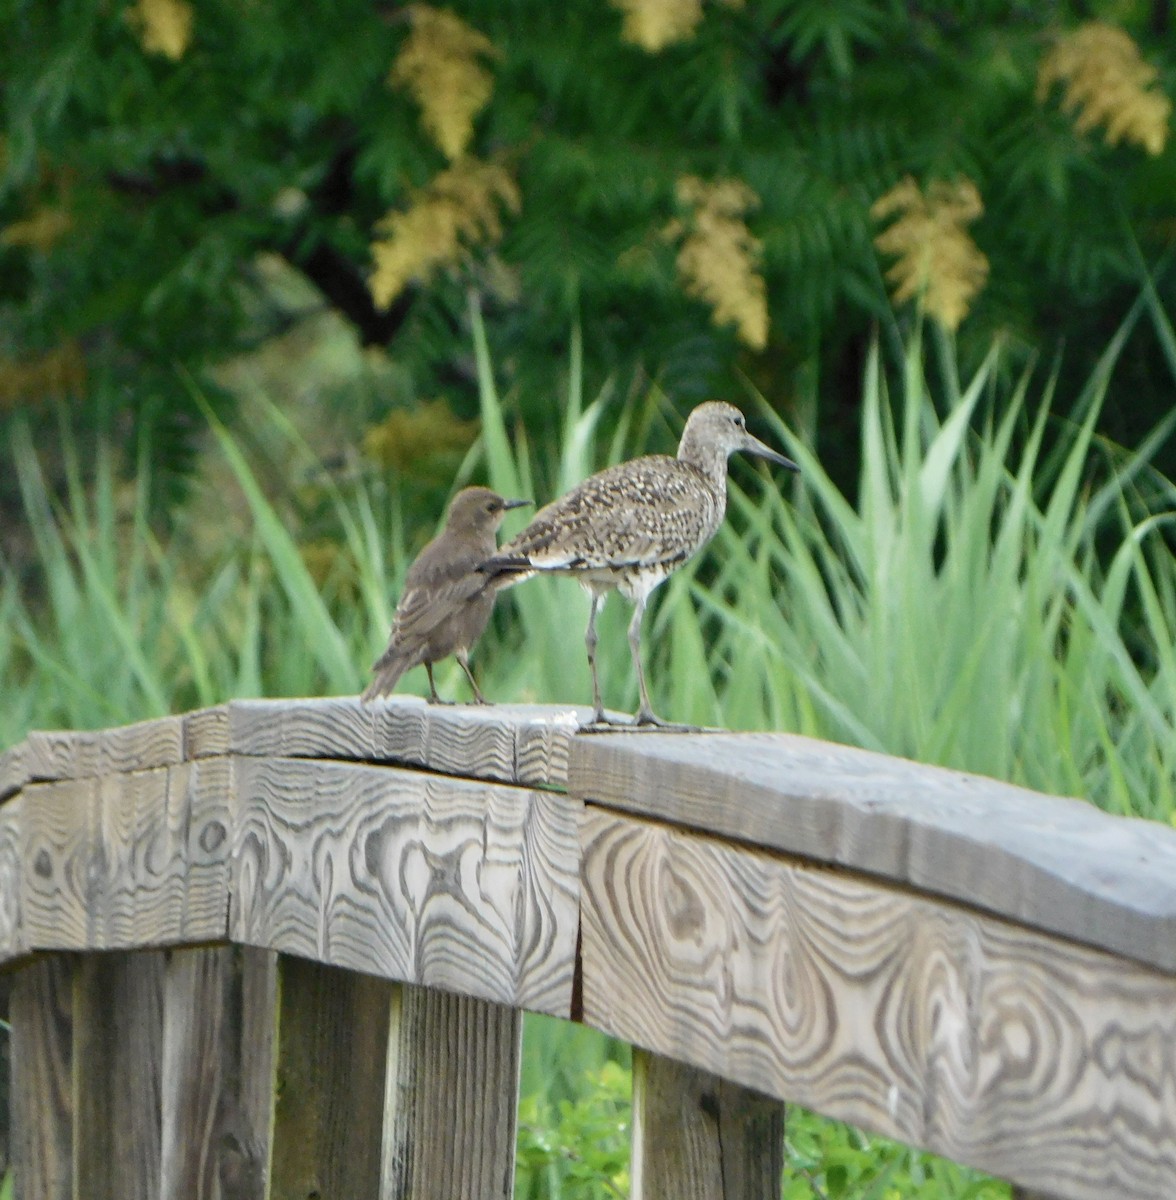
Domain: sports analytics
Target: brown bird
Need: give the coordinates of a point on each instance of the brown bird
(631, 526)
(446, 601)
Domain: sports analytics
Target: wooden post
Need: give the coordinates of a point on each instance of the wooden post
(329, 1107)
(699, 1137)
(118, 1042)
(453, 1082)
(215, 1117)
(41, 1016)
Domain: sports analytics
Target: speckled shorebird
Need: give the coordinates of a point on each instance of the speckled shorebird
(446, 602)
(631, 526)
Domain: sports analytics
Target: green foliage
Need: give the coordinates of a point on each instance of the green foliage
(829, 1160)
(573, 1139)
(276, 132)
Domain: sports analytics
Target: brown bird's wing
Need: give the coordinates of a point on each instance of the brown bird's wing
(443, 579)
(658, 514)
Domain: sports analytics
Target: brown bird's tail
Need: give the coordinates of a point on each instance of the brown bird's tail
(387, 670)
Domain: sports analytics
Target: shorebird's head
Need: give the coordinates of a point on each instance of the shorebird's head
(716, 428)
(477, 509)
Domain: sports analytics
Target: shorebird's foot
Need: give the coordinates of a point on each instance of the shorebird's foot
(480, 699)
(602, 723)
(438, 700)
(648, 721)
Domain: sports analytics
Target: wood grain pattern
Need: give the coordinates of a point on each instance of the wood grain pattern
(525, 744)
(1047, 1063)
(76, 754)
(41, 1015)
(12, 940)
(203, 798)
(132, 896)
(118, 1039)
(1047, 862)
(424, 879)
(57, 856)
(453, 1080)
(131, 859)
(699, 1137)
(13, 770)
(330, 1083)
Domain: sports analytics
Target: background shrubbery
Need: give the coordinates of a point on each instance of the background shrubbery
(697, 184)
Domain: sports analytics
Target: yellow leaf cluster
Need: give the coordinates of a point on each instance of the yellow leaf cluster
(458, 209)
(718, 261)
(165, 26)
(1107, 83)
(655, 24)
(440, 66)
(41, 230)
(59, 372)
(409, 436)
(936, 257)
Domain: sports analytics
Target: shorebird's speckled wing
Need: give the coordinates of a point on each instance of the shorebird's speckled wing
(644, 513)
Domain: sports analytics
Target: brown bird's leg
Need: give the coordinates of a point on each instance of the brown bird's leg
(433, 697)
(590, 637)
(463, 658)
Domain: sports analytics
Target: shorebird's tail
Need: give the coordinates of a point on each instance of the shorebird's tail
(386, 673)
(505, 570)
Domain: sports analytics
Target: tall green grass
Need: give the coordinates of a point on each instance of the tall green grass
(999, 596)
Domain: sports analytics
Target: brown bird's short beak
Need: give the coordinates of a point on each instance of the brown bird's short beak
(754, 446)
(506, 504)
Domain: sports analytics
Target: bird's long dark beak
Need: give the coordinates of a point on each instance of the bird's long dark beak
(754, 446)
(507, 504)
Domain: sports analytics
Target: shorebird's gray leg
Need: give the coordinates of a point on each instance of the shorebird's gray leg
(463, 658)
(433, 697)
(645, 713)
(646, 718)
(590, 638)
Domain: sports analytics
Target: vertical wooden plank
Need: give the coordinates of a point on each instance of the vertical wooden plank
(118, 1041)
(699, 1137)
(453, 1082)
(329, 1108)
(6, 981)
(195, 1046)
(41, 1015)
(216, 1030)
(245, 1117)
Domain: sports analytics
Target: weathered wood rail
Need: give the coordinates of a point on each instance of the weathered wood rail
(281, 949)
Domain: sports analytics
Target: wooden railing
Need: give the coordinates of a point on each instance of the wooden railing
(327, 919)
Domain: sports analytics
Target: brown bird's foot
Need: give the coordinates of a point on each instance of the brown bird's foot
(480, 699)
(435, 699)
